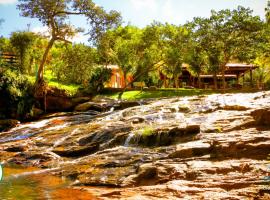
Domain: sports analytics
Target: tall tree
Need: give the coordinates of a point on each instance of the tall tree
(267, 10)
(229, 35)
(176, 40)
(22, 41)
(55, 15)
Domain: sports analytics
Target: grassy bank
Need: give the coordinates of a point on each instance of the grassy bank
(71, 89)
(138, 94)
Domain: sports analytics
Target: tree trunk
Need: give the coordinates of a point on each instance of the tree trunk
(199, 81)
(40, 85)
(43, 61)
(223, 78)
(176, 82)
(215, 81)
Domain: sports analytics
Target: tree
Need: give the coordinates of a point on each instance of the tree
(55, 15)
(74, 63)
(267, 14)
(229, 35)
(22, 41)
(125, 50)
(176, 42)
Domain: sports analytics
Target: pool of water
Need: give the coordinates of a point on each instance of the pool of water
(21, 183)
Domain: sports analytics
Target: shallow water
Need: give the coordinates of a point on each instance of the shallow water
(21, 183)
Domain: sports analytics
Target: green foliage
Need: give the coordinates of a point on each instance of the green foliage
(23, 41)
(100, 75)
(267, 14)
(73, 64)
(229, 35)
(16, 91)
(177, 40)
(147, 131)
(55, 15)
(160, 93)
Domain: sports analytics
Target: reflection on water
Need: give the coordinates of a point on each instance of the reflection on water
(37, 186)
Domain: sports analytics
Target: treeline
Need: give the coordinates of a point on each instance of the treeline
(205, 45)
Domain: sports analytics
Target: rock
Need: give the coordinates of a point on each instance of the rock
(152, 88)
(188, 130)
(184, 109)
(8, 123)
(15, 149)
(58, 103)
(76, 150)
(261, 116)
(37, 112)
(128, 104)
(80, 100)
(191, 149)
(90, 106)
(234, 107)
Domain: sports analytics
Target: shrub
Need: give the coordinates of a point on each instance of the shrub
(15, 94)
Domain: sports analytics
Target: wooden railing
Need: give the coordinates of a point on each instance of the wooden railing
(8, 58)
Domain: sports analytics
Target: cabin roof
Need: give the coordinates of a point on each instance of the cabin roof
(218, 76)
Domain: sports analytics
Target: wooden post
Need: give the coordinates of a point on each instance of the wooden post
(237, 78)
(251, 77)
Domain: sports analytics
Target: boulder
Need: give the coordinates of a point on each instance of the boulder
(128, 104)
(8, 123)
(261, 116)
(90, 106)
(58, 103)
(76, 150)
(80, 100)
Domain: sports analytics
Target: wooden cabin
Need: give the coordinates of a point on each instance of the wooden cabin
(117, 79)
(233, 73)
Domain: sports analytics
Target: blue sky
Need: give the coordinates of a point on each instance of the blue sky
(136, 12)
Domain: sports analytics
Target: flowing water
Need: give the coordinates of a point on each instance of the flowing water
(202, 147)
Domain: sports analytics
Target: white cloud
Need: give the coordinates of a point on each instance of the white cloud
(42, 30)
(7, 1)
(167, 10)
(142, 4)
(80, 38)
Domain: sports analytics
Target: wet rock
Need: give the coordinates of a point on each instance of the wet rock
(90, 106)
(136, 120)
(76, 151)
(104, 135)
(15, 149)
(262, 116)
(191, 149)
(184, 109)
(80, 100)
(8, 123)
(37, 112)
(234, 107)
(128, 104)
(58, 103)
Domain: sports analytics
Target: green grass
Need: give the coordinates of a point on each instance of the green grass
(71, 89)
(160, 93)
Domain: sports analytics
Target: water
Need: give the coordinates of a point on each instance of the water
(21, 183)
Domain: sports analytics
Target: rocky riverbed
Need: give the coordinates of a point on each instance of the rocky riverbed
(201, 147)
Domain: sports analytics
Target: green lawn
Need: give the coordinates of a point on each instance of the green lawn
(71, 89)
(136, 95)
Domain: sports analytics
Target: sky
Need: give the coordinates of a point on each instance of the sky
(136, 12)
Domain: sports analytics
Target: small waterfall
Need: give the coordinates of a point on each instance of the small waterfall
(130, 136)
(61, 140)
(43, 171)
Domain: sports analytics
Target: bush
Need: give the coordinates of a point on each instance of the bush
(16, 96)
